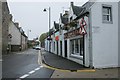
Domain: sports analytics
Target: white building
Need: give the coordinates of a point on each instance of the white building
(18, 39)
(15, 40)
(99, 47)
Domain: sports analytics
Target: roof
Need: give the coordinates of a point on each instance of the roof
(56, 25)
(85, 10)
(64, 19)
(76, 9)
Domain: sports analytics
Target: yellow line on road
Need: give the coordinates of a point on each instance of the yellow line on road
(85, 70)
(53, 68)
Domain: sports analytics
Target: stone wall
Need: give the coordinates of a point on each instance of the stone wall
(0, 28)
(5, 22)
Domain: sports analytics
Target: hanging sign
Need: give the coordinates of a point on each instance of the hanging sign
(82, 30)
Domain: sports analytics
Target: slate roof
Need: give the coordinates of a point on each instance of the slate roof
(64, 19)
(76, 9)
(56, 25)
(84, 9)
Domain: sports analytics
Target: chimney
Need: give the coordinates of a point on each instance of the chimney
(11, 17)
(16, 24)
(72, 3)
(66, 12)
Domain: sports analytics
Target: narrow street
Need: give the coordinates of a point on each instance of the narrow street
(24, 65)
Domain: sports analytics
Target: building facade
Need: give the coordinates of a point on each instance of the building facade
(5, 23)
(91, 37)
(18, 39)
(0, 28)
(15, 40)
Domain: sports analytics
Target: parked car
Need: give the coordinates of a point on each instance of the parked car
(33, 47)
(38, 48)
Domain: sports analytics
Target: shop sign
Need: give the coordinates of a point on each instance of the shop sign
(82, 30)
(72, 33)
(57, 38)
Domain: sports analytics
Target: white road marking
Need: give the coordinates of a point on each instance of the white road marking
(41, 66)
(24, 76)
(31, 72)
(37, 69)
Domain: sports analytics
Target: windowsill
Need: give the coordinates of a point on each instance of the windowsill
(76, 56)
(108, 22)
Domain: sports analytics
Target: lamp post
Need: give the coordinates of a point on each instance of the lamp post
(49, 37)
(28, 33)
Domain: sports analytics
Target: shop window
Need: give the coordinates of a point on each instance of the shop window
(77, 47)
(81, 47)
(72, 46)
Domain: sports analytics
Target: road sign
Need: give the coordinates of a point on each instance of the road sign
(82, 31)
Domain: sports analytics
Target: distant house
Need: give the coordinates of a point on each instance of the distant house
(18, 40)
(15, 33)
(24, 40)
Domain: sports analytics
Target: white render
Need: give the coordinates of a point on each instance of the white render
(105, 39)
(119, 34)
(0, 29)
(16, 35)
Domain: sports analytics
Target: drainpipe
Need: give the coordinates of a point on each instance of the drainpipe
(90, 40)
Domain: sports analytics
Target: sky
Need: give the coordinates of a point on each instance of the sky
(30, 15)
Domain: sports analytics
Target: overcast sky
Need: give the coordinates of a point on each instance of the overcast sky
(30, 14)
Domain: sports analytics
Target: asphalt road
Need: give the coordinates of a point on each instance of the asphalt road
(24, 65)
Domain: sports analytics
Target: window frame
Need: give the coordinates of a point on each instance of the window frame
(110, 15)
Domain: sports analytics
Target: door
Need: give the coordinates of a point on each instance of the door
(66, 48)
(57, 48)
(60, 48)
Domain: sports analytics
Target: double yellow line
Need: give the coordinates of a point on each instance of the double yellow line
(85, 70)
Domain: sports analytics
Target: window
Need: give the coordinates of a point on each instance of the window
(72, 46)
(54, 46)
(107, 13)
(77, 47)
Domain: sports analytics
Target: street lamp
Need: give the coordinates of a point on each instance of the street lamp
(28, 33)
(49, 37)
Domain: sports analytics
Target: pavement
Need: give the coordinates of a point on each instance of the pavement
(59, 62)
(66, 69)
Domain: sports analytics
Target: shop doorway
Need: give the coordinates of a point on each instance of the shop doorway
(60, 48)
(57, 48)
(66, 48)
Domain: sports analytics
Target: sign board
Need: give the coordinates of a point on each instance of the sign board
(57, 38)
(82, 30)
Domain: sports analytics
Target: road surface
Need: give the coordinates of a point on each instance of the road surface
(24, 65)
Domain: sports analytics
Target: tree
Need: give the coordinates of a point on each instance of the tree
(42, 38)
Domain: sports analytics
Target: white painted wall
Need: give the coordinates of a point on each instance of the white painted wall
(104, 37)
(119, 34)
(16, 35)
(87, 52)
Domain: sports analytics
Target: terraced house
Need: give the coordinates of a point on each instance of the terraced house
(18, 39)
(88, 34)
(12, 37)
